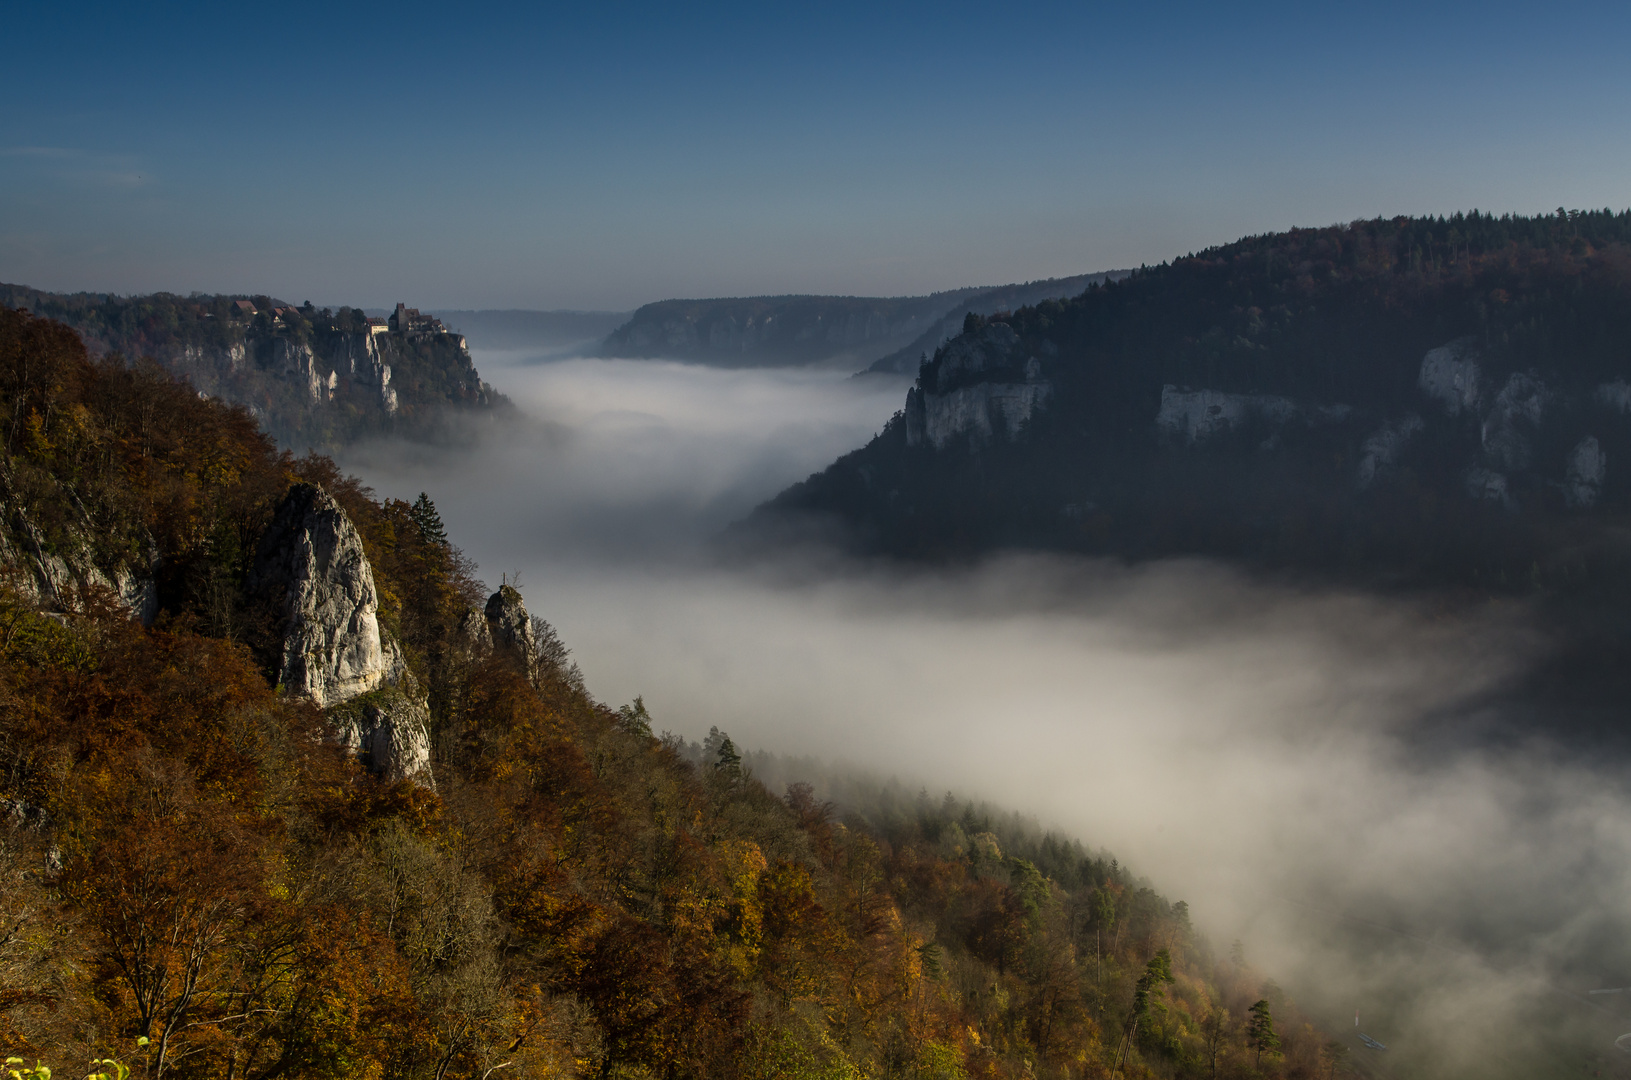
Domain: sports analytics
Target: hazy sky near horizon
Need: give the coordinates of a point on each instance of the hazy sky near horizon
(602, 156)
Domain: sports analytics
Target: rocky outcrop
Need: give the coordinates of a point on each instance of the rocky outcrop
(1583, 476)
(311, 567)
(1614, 395)
(1383, 447)
(509, 629)
(65, 576)
(474, 640)
(1512, 420)
(389, 730)
(1450, 375)
(980, 386)
(55, 583)
(981, 412)
(313, 574)
(312, 378)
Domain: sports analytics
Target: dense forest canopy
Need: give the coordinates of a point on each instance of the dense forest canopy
(191, 859)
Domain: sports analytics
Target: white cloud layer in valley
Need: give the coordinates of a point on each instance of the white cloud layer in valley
(1305, 768)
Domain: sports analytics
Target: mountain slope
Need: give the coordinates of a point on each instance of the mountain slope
(286, 798)
(905, 360)
(878, 334)
(1420, 399)
(777, 331)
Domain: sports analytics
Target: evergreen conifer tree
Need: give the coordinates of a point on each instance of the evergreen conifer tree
(1260, 1033)
(429, 521)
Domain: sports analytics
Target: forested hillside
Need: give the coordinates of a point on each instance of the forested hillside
(311, 377)
(777, 331)
(290, 794)
(1005, 298)
(1425, 401)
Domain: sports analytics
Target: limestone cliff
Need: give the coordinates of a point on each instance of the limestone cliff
(313, 575)
(980, 386)
(389, 729)
(312, 377)
(311, 566)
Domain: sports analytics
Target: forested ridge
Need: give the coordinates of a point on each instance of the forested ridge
(188, 858)
(1288, 400)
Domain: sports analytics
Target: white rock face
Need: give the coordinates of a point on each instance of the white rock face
(474, 638)
(390, 731)
(311, 563)
(296, 359)
(1615, 395)
(981, 411)
(1450, 375)
(1583, 479)
(1382, 447)
(1194, 416)
(509, 629)
(1517, 409)
(1485, 484)
(64, 582)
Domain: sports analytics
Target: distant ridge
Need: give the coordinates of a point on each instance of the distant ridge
(525, 328)
(1445, 400)
(905, 360)
(873, 333)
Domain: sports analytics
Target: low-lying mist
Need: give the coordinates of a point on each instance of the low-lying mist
(1304, 767)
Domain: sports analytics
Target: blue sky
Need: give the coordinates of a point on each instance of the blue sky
(605, 155)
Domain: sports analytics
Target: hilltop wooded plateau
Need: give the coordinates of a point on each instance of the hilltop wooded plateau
(1407, 403)
(1422, 400)
(289, 794)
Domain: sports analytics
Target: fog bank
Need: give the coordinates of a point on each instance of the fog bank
(1302, 767)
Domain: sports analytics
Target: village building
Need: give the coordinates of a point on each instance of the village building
(407, 320)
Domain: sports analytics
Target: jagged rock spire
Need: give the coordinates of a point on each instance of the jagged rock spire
(510, 628)
(312, 568)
